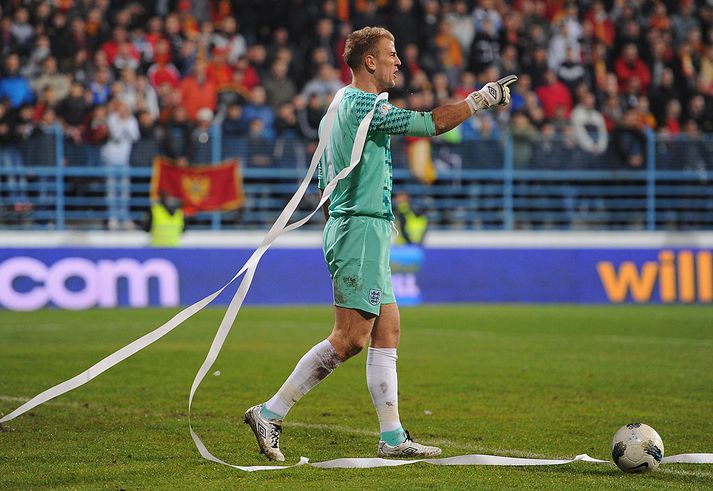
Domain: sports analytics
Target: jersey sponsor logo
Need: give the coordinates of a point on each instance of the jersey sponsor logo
(374, 296)
(384, 108)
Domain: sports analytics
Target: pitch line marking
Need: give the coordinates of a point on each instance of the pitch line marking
(683, 472)
(23, 399)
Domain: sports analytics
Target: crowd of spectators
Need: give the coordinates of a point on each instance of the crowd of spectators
(124, 81)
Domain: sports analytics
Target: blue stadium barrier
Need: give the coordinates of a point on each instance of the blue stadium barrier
(480, 184)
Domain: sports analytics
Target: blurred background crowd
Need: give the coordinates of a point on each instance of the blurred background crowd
(124, 81)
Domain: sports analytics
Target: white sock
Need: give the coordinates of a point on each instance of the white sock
(383, 386)
(312, 368)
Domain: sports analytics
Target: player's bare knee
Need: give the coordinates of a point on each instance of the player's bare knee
(347, 346)
(344, 346)
(355, 345)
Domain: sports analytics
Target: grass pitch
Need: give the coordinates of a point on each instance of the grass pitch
(525, 381)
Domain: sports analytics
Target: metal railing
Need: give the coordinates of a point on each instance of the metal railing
(480, 184)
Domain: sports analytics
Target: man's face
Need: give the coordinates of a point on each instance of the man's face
(12, 64)
(385, 64)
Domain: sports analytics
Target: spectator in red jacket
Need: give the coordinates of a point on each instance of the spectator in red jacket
(218, 68)
(630, 65)
(111, 47)
(554, 94)
(197, 90)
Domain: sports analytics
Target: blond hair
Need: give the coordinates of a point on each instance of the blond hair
(363, 42)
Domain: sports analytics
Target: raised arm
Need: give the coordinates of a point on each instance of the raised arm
(395, 121)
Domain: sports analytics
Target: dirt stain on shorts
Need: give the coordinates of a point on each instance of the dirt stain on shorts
(345, 288)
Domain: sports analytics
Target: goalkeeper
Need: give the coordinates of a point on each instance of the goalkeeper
(357, 237)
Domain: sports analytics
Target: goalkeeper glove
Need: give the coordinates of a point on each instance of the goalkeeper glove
(492, 94)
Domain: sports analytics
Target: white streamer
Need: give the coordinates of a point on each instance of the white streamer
(279, 227)
(689, 458)
(473, 459)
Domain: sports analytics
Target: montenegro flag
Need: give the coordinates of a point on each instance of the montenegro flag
(200, 188)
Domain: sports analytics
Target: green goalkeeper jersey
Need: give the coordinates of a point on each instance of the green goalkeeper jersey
(366, 191)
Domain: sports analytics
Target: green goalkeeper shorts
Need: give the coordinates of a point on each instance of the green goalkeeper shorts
(356, 249)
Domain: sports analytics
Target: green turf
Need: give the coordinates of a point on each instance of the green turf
(541, 381)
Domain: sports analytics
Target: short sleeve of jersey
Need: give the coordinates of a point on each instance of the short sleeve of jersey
(387, 117)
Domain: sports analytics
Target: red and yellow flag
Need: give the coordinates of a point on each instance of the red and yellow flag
(200, 188)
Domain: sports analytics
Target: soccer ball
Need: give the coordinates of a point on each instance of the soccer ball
(637, 447)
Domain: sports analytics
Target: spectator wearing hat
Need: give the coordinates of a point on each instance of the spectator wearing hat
(201, 143)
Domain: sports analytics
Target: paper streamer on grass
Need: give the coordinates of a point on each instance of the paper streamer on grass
(474, 459)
